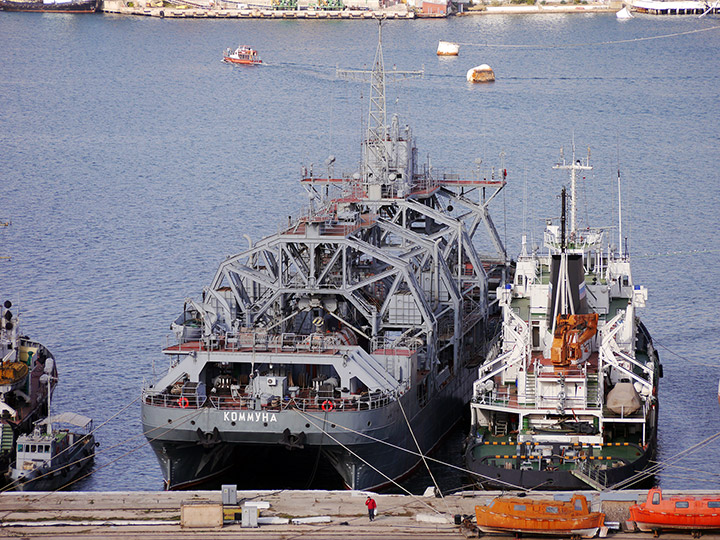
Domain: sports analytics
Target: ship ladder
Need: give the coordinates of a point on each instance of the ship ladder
(501, 426)
(530, 388)
(577, 473)
(6, 439)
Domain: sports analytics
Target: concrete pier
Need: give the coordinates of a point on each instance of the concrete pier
(282, 514)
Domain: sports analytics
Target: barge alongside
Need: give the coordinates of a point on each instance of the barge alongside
(571, 400)
(349, 340)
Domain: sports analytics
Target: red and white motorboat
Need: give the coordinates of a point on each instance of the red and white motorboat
(693, 513)
(242, 55)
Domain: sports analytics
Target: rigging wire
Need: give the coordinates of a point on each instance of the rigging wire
(661, 465)
(595, 44)
(681, 357)
(429, 458)
(422, 456)
(309, 418)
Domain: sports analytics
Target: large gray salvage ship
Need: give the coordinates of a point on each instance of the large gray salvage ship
(348, 340)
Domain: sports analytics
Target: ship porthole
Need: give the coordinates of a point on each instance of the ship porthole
(232, 423)
(192, 422)
(169, 421)
(307, 425)
(369, 424)
(332, 425)
(265, 424)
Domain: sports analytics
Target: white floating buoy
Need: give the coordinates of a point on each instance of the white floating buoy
(481, 74)
(624, 13)
(448, 48)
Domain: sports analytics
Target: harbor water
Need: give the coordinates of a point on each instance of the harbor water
(134, 161)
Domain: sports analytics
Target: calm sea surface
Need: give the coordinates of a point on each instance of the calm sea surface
(132, 161)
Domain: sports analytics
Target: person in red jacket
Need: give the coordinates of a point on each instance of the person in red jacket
(371, 505)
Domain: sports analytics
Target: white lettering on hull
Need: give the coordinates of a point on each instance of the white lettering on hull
(249, 416)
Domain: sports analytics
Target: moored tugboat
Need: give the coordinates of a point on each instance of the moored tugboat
(571, 400)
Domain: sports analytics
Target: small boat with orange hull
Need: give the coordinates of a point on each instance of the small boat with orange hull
(540, 516)
(693, 513)
(242, 55)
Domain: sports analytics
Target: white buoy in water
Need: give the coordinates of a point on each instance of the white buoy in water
(624, 13)
(481, 74)
(448, 48)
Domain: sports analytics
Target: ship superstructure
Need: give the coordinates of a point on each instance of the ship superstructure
(570, 402)
(28, 375)
(349, 338)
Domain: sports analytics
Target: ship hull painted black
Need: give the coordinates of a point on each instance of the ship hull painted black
(190, 461)
(69, 7)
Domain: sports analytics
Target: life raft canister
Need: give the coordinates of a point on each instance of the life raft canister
(327, 405)
(183, 402)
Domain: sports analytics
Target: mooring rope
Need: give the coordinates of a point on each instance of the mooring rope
(595, 44)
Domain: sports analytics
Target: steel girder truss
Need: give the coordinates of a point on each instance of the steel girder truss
(409, 248)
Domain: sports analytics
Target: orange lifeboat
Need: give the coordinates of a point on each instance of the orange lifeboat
(539, 516)
(695, 514)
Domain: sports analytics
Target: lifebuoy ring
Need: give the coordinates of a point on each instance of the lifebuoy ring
(183, 402)
(327, 405)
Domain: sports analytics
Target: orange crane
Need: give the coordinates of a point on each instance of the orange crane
(571, 331)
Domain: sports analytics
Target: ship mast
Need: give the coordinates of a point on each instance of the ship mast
(574, 167)
(376, 156)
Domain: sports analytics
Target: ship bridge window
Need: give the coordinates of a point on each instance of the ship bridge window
(20, 447)
(552, 510)
(33, 448)
(519, 508)
(682, 504)
(713, 504)
(625, 281)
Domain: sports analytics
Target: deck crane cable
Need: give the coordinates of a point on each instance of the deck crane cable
(572, 45)
(311, 418)
(429, 458)
(422, 456)
(166, 429)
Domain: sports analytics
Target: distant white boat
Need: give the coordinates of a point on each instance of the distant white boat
(447, 48)
(624, 13)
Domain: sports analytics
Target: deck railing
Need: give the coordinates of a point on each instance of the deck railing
(373, 400)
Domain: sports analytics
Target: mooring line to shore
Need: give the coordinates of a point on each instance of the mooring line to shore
(168, 428)
(310, 418)
(660, 466)
(429, 458)
(681, 357)
(595, 44)
(422, 456)
(14, 484)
